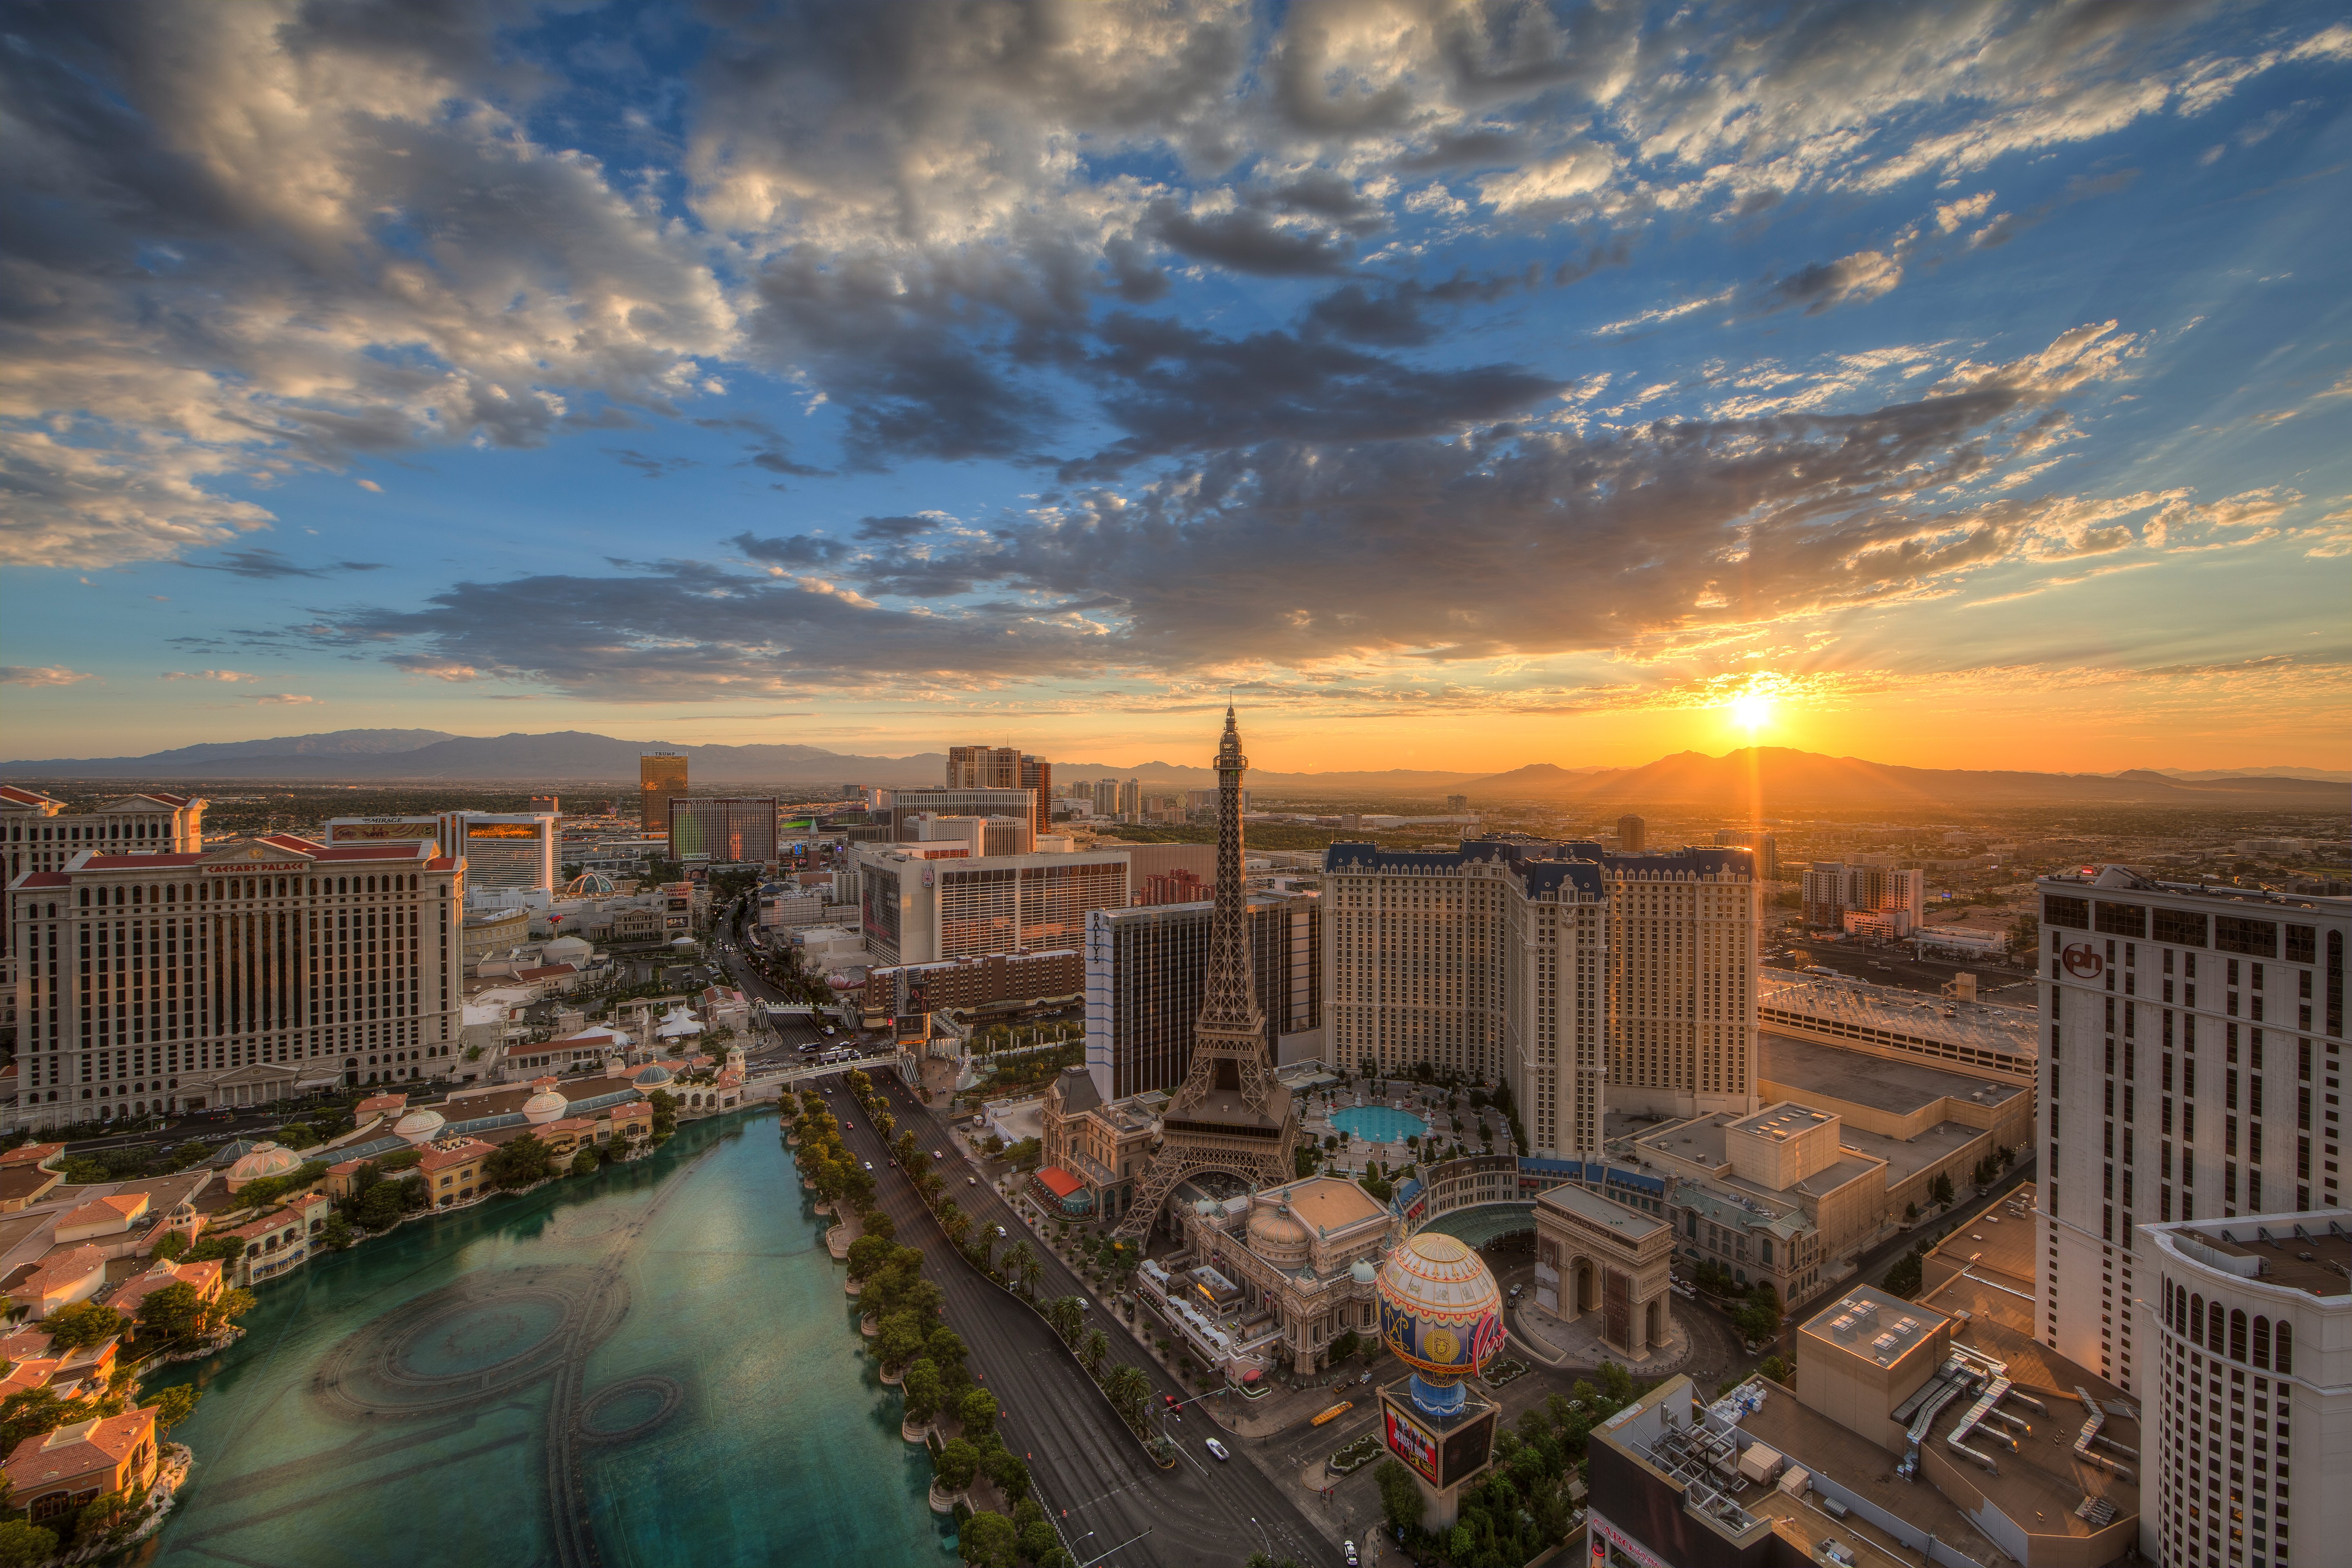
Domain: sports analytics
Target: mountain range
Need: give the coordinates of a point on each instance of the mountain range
(1777, 778)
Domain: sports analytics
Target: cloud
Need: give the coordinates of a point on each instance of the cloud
(370, 487)
(265, 566)
(2081, 188)
(41, 675)
(1248, 241)
(1300, 554)
(1851, 280)
(223, 674)
(286, 700)
(648, 465)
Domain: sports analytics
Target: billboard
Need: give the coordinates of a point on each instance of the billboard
(502, 830)
(379, 832)
(1465, 1452)
(1409, 1440)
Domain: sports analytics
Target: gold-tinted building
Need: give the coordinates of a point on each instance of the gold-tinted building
(661, 775)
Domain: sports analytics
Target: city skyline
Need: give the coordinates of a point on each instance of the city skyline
(1459, 391)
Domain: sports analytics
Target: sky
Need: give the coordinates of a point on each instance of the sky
(1455, 386)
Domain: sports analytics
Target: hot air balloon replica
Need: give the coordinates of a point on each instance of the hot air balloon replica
(1442, 1315)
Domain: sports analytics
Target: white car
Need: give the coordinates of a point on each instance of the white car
(869, 1165)
(999, 1230)
(1218, 1449)
(1349, 1548)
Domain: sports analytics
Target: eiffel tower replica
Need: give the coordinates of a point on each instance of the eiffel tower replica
(1231, 1113)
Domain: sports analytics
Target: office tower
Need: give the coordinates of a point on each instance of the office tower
(2248, 1323)
(545, 805)
(2195, 1036)
(1683, 989)
(1518, 960)
(510, 851)
(723, 830)
(916, 908)
(661, 777)
(984, 767)
(979, 835)
(179, 981)
(906, 805)
(1832, 890)
(1131, 800)
(1036, 776)
(1106, 798)
(1632, 835)
(1231, 1113)
(1767, 848)
(1147, 975)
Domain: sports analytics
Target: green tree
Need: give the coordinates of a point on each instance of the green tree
(82, 1326)
(1776, 1368)
(380, 1205)
(174, 1317)
(898, 1340)
(336, 1235)
(175, 1404)
(988, 1540)
(978, 1413)
(1038, 1539)
(29, 1413)
(922, 1387)
(1008, 1470)
(23, 1544)
(519, 1163)
(1067, 1317)
(585, 1163)
(867, 1254)
(1129, 1391)
(171, 1246)
(224, 1248)
(958, 1461)
(1399, 1496)
(1941, 1192)
(1095, 1348)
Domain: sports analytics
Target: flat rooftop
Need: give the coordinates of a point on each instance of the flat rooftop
(1869, 1324)
(1807, 1437)
(1882, 1083)
(1782, 1120)
(1984, 1026)
(1328, 1204)
(2300, 1252)
(1630, 1224)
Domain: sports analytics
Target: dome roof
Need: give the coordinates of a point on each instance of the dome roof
(1278, 1237)
(588, 885)
(654, 1077)
(1362, 1272)
(544, 1106)
(263, 1160)
(420, 1126)
(563, 948)
(1441, 1312)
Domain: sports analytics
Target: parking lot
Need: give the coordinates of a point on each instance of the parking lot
(1896, 966)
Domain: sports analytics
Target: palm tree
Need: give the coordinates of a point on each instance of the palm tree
(1020, 1261)
(1094, 1348)
(955, 1222)
(1129, 1391)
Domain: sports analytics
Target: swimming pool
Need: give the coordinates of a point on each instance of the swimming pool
(1379, 1123)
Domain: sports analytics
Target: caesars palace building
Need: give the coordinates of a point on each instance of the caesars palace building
(230, 976)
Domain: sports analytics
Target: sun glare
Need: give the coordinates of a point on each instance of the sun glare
(1751, 711)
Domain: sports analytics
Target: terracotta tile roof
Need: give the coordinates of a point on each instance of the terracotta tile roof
(60, 1267)
(25, 796)
(123, 1207)
(31, 1153)
(459, 1153)
(100, 1443)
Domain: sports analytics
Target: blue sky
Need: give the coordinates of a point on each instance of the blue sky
(1461, 385)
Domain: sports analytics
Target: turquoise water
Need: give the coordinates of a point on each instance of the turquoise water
(1379, 1123)
(651, 1366)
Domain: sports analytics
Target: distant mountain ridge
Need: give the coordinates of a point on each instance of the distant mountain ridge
(1779, 778)
(1774, 779)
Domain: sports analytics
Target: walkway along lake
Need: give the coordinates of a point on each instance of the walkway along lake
(649, 1367)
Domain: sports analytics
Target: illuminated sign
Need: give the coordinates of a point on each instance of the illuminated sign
(502, 830)
(381, 832)
(2082, 961)
(1409, 1441)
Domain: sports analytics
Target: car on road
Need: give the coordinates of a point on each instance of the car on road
(1081, 1300)
(1171, 1400)
(869, 1165)
(939, 1154)
(971, 1181)
(1366, 1378)
(999, 1230)
(1218, 1449)
(1349, 1548)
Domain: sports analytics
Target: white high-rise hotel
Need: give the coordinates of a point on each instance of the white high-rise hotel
(1552, 968)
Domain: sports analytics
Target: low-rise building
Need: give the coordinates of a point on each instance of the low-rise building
(1101, 1145)
(61, 1276)
(452, 1169)
(54, 1474)
(206, 1279)
(1594, 1258)
(279, 1241)
(1887, 1021)
(1302, 1259)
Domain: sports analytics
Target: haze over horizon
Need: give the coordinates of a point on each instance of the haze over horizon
(1459, 389)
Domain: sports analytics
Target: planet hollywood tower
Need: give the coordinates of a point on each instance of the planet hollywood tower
(1231, 1113)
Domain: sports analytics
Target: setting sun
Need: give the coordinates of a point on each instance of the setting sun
(1752, 710)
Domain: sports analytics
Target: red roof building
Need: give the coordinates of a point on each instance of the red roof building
(57, 1472)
